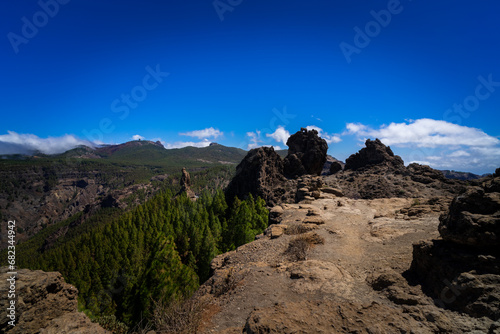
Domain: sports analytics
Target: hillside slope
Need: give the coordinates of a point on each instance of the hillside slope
(332, 265)
(42, 190)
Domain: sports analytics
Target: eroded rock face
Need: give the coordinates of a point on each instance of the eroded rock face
(261, 174)
(186, 185)
(185, 179)
(306, 154)
(264, 173)
(462, 271)
(45, 304)
(375, 153)
(474, 217)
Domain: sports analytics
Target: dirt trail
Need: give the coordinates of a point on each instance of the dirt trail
(351, 283)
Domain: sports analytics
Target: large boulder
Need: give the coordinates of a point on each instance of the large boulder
(306, 154)
(260, 173)
(375, 153)
(335, 167)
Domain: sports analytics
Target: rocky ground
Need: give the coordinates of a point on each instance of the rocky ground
(334, 265)
(45, 304)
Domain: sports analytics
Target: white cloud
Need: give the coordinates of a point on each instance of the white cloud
(426, 132)
(13, 142)
(440, 144)
(330, 138)
(181, 144)
(255, 140)
(354, 128)
(137, 137)
(203, 134)
(281, 135)
(460, 153)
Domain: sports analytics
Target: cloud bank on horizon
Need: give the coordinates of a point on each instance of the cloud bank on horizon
(16, 143)
(437, 143)
(440, 144)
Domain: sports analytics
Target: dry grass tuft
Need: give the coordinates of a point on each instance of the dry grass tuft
(295, 229)
(298, 247)
(228, 283)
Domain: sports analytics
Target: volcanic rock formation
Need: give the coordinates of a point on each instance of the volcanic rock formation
(261, 174)
(462, 271)
(306, 154)
(375, 172)
(375, 153)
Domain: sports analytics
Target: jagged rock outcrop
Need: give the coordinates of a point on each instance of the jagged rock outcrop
(425, 174)
(264, 173)
(306, 154)
(462, 271)
(474, 218)
(375, 153)
(186, 185)
(260, 173)
(375, 172)
(45, 304)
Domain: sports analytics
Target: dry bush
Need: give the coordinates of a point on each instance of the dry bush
(178, 316)
(295, 229)
(298, 247)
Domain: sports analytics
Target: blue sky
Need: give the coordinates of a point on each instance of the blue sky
(423, 76)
